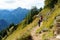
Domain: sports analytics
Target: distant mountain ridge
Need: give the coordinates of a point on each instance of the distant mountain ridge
(15, 16)
(3, 24)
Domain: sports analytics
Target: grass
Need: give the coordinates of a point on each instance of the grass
(48, 23)
(23, 32)
(47, 35)
(50, 20)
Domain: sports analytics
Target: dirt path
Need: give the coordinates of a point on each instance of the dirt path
(38, 36)
(33, 33)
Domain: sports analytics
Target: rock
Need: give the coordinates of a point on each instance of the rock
(58, 36)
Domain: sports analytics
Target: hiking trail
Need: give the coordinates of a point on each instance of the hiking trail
(33, 33)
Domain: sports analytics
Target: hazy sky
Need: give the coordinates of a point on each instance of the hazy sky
(13, 4)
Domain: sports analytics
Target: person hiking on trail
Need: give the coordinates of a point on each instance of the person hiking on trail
(40, 20)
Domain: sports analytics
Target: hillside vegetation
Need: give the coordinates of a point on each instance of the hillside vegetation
(46, 31)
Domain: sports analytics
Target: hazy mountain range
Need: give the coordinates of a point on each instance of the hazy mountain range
(14, 16)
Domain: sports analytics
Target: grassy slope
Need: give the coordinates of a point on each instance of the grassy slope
(49, 22)
(51, 18)
(19, 33)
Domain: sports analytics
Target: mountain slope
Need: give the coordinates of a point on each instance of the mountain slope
(45, 31)
(18, 34)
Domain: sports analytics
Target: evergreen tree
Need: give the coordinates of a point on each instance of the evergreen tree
(32, 12)
(40, 9)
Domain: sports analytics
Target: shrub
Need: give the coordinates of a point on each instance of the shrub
(27, 38)
(50, 3)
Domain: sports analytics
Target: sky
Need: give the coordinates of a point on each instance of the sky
(13, 4)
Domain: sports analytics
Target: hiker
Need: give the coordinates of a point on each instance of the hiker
(39, 23)
(40, 20)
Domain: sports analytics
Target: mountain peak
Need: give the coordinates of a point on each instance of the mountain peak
(15, 16)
